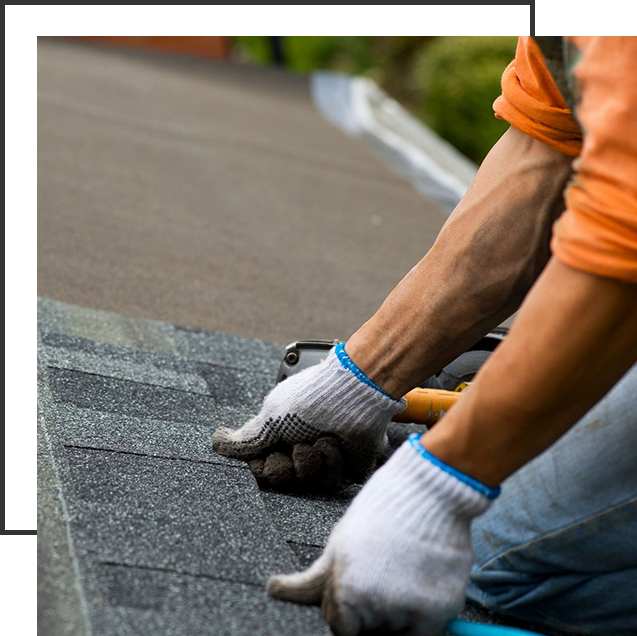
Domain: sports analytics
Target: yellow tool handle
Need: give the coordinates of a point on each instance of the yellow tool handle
(426, 406)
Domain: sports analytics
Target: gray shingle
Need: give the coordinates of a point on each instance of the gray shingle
(112, 431)
(164, 513)
(124, 397)
(306, 554)
(227, 350)
(307, 519)
(145, 601)
(60, 605)
(238, 393)
(105, 327)
(124, 363)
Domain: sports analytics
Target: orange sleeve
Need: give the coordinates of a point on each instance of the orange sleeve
(532, 103)
(598, 231)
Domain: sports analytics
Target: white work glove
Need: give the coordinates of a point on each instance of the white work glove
(400, 558)
(311, 421)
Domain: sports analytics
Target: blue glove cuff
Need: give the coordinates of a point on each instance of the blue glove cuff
(487, 491)
(347, 363)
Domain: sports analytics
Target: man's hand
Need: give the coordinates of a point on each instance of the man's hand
(399, 559)
(311, 421)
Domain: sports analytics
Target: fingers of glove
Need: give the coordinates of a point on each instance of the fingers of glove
(315, 468)
(343, 618)
(256, 468)
(358, 618)
(302, 587)
(398, 623)
(308, 463)
(332, 470)
(318, 466)
(245, 443)
(275, 470)
(278, 471)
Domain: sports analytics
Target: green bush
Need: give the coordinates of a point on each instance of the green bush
(253, 49)
(309, 53)
(348, 54)
(458, 79)
(351, 54)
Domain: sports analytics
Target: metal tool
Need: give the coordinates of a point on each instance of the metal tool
(425, 405)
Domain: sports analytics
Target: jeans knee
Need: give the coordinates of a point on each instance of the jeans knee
(582, 603)
(500, 588)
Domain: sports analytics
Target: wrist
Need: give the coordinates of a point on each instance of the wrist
(462, 448)
(377, 363)
(422, 493)
(345, 361)
(490, 492)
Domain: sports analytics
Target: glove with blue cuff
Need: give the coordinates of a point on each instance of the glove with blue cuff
(327, 422)
(400, 558)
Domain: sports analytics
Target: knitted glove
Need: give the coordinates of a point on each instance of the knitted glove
(400, 558)
(312, 420)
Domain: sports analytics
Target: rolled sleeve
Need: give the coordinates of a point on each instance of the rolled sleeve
(598, 231)
(532, 103)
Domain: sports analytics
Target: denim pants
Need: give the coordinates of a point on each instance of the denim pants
(559, 546)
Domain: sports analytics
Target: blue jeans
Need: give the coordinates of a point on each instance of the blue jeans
(559, 546)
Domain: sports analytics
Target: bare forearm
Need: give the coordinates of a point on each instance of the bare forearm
(574, 337)
(485, 260)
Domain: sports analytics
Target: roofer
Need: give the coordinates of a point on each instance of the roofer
(559, 547)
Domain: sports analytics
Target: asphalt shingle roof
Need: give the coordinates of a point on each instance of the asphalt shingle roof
(142, 528)
(159, 534)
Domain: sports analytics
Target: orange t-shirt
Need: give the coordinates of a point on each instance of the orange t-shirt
(598, 231)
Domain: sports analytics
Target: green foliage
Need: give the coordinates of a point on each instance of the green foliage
(459, 79)
(254, 49)
(348, 54)
(351, 54)
(309, 53)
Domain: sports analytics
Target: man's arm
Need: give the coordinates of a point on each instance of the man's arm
(486, 258)
(574, 338)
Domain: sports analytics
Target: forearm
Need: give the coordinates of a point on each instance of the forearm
(574, 337)
(484, 261)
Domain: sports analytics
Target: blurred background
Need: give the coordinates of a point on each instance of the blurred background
(270, 187)
(448, 82)
(445, 81)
